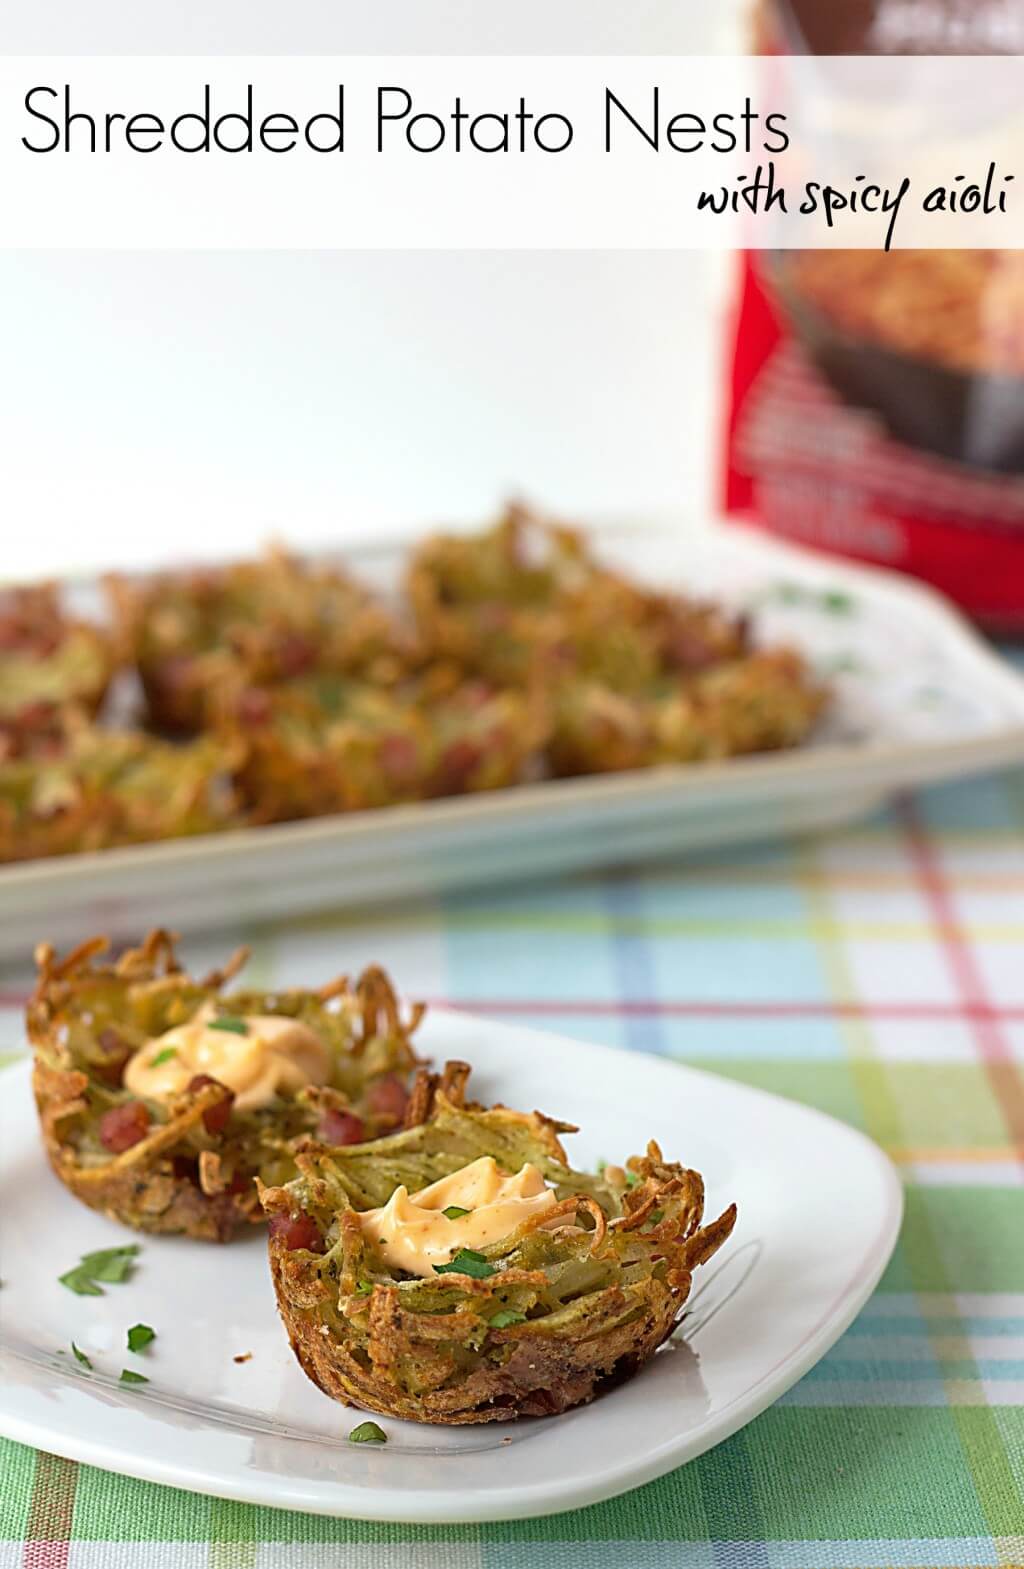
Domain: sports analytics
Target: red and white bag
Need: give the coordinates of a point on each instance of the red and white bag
(876, 404)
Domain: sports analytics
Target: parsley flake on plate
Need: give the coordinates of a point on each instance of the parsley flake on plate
(139, 1337)
(454, 1212)
(163, 1056)
(129, 1377)
(368, 1433)
(112, 1266)
(80, 1282)
(80, 1356)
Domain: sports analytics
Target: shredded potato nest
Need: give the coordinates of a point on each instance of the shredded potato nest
(193, 635)
(630, 678)
(49, 662)
(580, 1305)
(525, 602)
(192, 1165)
(94, 789)
(320, 746)
(762, 702)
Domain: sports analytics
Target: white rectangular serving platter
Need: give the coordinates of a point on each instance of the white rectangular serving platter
(819, 1212)
(919, 698)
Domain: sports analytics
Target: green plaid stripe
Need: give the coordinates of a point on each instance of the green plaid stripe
(874, 974)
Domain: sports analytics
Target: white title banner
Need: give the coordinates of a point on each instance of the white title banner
(507, 152)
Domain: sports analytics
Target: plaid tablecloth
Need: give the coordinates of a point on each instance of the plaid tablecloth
(877, 974)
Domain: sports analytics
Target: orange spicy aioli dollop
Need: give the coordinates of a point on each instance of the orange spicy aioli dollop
(257, 1057)
(412, 1233)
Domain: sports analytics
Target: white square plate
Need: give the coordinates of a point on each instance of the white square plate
(819, 1212)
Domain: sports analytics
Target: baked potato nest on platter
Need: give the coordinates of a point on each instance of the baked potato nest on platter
(325, 745)
(629, 677)
(194, 634)
(51, 661)
(94, 789)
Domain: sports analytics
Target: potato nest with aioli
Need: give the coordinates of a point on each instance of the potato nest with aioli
(136, 1122)
(575, 1297)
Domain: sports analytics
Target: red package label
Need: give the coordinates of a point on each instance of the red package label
(814, 453)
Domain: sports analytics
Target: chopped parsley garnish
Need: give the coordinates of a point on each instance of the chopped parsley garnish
(364, 1287)
(227, 1021)
(129, 1377)
(466, 1262)
(657, 1217)
(81, 1283)
(631, 1179)
(163, 1056)
(454, 1212)
(368, 1433)
(139, 1337)
(80, 1356)
(506, 1317)
(110, 1265)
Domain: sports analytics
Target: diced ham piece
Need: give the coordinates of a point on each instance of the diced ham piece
(458, 762)
(387, 1097)
(254, 706)
(215, 1117)
(123, 1126)
(295, 654)
(399, 757)
(340, 1127)
(297, 1231)
(116, 1052)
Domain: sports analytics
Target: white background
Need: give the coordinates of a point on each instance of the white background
(153, 405)
(374, 27)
